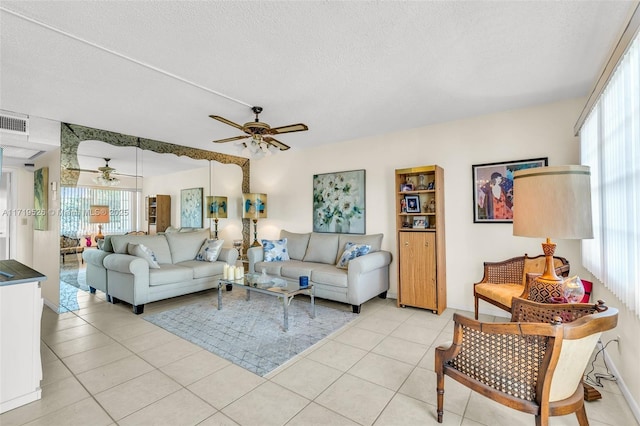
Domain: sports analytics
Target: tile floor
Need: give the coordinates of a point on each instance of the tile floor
(105, 366)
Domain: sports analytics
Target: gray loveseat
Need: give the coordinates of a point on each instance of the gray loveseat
(129, 278)
(315, 255)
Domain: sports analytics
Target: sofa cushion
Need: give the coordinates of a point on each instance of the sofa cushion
(296, 244)
(275, 250)
(185, 245)
(322, 248)
(140, 250)
(294, 269)
(330, 275)
(351, 251)
(170, 274)
(210, 250)
(157, 243)
(271, 268)
(373, 240)
(203, 269)
(502, 293)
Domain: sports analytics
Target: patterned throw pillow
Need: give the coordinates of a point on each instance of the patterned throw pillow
(275, 250)
(210, 250)
(351, 251)
(141, 251)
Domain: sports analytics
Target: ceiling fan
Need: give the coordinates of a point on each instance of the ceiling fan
(260, 132)
(105, 172)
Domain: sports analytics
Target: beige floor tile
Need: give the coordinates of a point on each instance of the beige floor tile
(429, 320)
(218, 419)
(267, 407)
(169, 352)
(421, 385)
(46, 354)
(377, 324)
(360, 338)
(485, 411)
(130, 331)
(429, 359)
(85, 412)
(69, 334)
(81, 344)
(402, 350)
(403, 410)
(307, 377)
(107, 376)
(55, 396)
(179, 408)
(356, 399)
(235, 381)
(85, 361)
(612, 409)
(382, 371)
(129, 397)
(61, 323)
(337, 355)
(146, 341)
(314, 414)
(194, 367)
(54, 371)
(416, 334)
(392, 313)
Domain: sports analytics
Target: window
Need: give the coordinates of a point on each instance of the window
(75, 202)
(610, 145)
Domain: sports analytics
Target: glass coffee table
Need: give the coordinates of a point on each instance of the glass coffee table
(272, 286)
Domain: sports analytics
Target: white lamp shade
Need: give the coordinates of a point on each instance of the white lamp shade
(552, 202)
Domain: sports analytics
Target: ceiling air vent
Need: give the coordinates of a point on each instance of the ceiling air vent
(11, 122)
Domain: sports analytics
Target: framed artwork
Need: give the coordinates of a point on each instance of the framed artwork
(420, 222)
(339, 202)
(413, 203)
(41, 198)
(493, 189)
(191, 208)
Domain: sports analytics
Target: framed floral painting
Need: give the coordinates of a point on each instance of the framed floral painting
(339, 202)
(191, 208)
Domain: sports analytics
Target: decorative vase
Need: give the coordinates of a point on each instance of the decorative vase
(342, 226)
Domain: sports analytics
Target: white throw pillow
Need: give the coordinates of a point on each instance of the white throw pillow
(351, 251)
(210, 250)
(275, 250)
(143, 252)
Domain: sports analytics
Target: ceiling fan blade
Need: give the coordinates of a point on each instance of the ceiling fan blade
(288, 129)
(235, 138)
(225, 121)
(276, 143)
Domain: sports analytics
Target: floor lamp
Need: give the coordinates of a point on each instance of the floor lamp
(216, 209)
(254, 206)
(552, 202)
(99, 215)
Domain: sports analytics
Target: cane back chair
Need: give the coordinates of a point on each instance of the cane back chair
(505, 280)
(533, 364)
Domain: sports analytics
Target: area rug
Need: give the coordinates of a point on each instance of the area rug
(251, 333)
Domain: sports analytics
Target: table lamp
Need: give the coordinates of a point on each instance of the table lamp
(254, 206)
(552, 202)
(216, 209)
(99, 214)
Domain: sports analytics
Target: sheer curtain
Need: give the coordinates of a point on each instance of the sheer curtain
(610, 144)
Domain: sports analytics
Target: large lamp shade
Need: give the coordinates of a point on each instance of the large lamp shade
(254, 206)
(217, 207)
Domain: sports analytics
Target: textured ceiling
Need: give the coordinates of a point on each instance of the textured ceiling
(346, 69)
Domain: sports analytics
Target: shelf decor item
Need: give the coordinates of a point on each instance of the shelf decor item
(413, 203)
(493, 189)
(339, 202)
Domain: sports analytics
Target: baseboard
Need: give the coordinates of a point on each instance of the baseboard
(51, 306)
(633, 404)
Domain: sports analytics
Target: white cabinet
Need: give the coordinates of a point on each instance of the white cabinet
(20, 313)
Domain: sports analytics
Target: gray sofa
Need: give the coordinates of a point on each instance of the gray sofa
(129, 278)
(315, 255)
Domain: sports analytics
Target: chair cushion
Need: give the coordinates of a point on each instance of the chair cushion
(203, 269)
(330, 275)
(170, 274)
(296, 244)
(502, 293)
